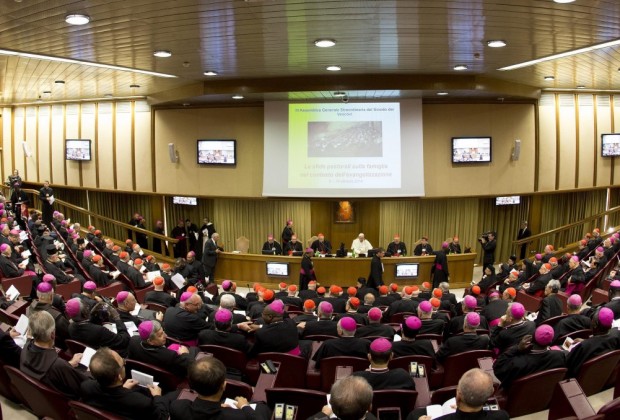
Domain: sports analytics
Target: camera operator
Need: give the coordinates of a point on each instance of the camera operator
(487, 240)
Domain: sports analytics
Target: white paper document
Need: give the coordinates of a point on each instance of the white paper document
(51, 199)
(87, 355)
(150, 276)
(136, 310)
(178, 280)
(12, 293)
(142, 378)
(131, 326)
(23, 236)
(436, 410)
(22, 325)
(110, 327)
(26, 254)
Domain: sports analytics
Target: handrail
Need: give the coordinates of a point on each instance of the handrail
(566, 227)
(107, 219)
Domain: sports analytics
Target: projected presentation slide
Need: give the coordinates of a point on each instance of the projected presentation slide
(343, 150)
(344, 145)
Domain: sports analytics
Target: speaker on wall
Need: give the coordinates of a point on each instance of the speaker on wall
(172, 153)
(516, 151)
(27, 150)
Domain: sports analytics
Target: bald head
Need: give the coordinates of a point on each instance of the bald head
(351, 398)
(474, 389)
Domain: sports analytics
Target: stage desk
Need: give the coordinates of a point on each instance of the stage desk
(246, 269)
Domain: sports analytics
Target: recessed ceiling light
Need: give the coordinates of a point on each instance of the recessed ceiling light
(340, 94)
(333, 68)
(324, 43)
(77, 19)
(460, 67)
(496, 43)
(549, 78)
(162, 53)
(60, 82)
(237, 97)
(563, 1)
(442, 93)
(134, 86)
(108, 95)
(47, 92)
(210, 73)
(581, 87)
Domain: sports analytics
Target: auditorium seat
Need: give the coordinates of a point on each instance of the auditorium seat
(68, 289)
(232, 359)
(167, 381)
(111, 291)
(438, 338)
(7, 389)
(74, 346)
(86, 412)
(442, 395)
(293, 369)
(404, 361)
(329, 364)
(553, 320)
(42, 400)
(23, 284)
(575, 334)
(400, 317)
(529, 302)
(403, 399)
(156, 307)
(569, 400)
(611, 410)
(599, 296)
(519, 400)
(564, 298)
(594, 373)
(319, 337)
(140, 293)
(308, 402)
(237, 389)
(457, 364)
(8, 318)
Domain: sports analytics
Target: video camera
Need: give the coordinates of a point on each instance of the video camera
(485, 236)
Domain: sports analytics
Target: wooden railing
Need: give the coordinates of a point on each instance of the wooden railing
(104, 223)
(566, 238)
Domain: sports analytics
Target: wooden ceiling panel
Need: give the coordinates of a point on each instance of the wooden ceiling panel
(273, 39)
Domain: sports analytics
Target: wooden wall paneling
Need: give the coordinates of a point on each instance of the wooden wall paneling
(587, 142)
(603, 123)
(124, 162)
(143, 148)
(612, 111)
(43, 143)
(132, 105)
(566, 141)
(7, 142)
(2, 152)
(17, 138)
(72, 131)
(105, 151)
(548, 126)
(57, 145)
(30, 137)
(322, 219)
(88, 131)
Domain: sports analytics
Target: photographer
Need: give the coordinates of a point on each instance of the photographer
(488, 242)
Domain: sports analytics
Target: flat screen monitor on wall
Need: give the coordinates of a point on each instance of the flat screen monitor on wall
(406, 271)
(77, 149)
(610, 145)
(471, 149)
(508, 200)
(277, 269)
(188, 201)
(217, 152)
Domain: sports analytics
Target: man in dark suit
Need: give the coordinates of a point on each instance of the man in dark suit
(524, 232)
(111, 392)
(222, 335)
(278, 334)
(185, 322)
(469, 340)
(209, 256)
(325, 325)
(375, 278)
(378, 375)
(488, 246)
(346, 345)
(207, 377)
(158, 295)
(551, 305)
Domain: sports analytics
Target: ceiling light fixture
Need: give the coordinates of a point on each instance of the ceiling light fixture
(581, 87)
(460, 67)
(47, 92)
(81, 63)
(549, 78)
(162, 53)
(134, 86)
(324, 43)
(442, 93)
(77, 19)
(237, 97)
(333, 68)
(59, 82)
(562, 55)
(340, 94)
(563, 1)
(496, 43)
(210, 73)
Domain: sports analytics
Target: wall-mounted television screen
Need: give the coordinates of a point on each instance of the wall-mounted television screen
(217, 152)
(506, 201)
(277, 269)
(188, 201)
(406, 271)
(471, 149)
(610, 145)
(77, 149)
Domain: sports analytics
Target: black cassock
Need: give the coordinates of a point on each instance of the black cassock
(47, 209)
(440, 268)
